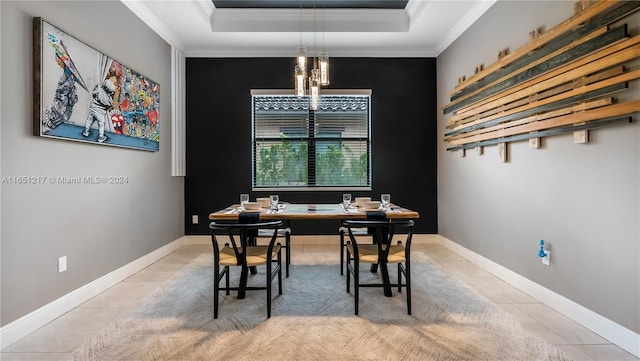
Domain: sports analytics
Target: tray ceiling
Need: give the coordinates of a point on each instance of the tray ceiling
(366, 28)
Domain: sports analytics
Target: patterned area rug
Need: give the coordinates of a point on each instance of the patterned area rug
(314, 320)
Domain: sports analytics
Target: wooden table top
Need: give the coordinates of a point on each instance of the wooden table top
(312, 211)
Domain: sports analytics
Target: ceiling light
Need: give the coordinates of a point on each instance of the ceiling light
(319, 76)
(314, 89)
(323, 59)
(300, 81)
(301, 57)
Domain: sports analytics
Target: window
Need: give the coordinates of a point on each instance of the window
(295, 147)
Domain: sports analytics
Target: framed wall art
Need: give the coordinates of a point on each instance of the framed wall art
(83, 95)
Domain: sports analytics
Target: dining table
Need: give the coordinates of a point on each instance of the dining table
(291, 211)
(312, 211)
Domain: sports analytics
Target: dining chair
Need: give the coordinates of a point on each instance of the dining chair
(382, 252)
(343, 245)
(364, 231)
(282, 232)
(243, 252)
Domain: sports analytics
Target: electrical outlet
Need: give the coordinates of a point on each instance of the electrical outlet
(194, 219)
(62, 264)
(546, 259)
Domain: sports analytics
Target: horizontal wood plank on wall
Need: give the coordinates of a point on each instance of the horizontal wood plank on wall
(612, 111)
(596, 124)
(594, 78)
(537, 117)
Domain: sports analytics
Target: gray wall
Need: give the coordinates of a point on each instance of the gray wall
(581, 199)
(98, 227)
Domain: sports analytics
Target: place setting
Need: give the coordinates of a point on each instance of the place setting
(363, 204)
(269, 204)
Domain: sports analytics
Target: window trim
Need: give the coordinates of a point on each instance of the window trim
(276, 92)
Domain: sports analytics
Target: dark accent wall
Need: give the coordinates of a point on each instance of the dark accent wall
(403, 118)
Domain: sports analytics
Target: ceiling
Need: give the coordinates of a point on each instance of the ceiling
(275, 28)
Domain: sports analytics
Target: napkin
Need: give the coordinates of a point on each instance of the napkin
(249, 217)
(376, 215)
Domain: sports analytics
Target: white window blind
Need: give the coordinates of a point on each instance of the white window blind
(296, 147)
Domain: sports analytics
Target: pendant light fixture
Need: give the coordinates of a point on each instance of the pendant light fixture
(314, 79)
(301, 56)
(300, 71)
(300, 81)
(319, 75)
(323, 58)
(314, 89)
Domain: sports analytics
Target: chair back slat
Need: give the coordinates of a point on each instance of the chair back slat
(382, 232)
(246, 234)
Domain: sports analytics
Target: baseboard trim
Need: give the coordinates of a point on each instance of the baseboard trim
(25, 325)
(610, 330)
(197, 240)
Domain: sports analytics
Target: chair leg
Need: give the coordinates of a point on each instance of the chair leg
(216, 286)
(280, 272)
(399, 278)
(342, 253)
(407, 277)
(288, 247)
(269, 281)
(227, 283)
(348, 266)
(356, 283)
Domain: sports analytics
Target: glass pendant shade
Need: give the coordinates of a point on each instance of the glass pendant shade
(299, 81)
(314, 88)
(302, 58)
(323, 59)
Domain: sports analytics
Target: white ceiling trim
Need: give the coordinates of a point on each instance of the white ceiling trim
(205, 9)
(141, 11)
(415, 7)
(465, 22)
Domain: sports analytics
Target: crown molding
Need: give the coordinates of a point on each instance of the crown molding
(465, 22)
(140, 10)
(205, 9)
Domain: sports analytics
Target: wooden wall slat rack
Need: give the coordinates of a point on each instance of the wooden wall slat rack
(561, 81)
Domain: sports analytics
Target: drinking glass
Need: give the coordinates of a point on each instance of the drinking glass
(346, 199)
(385, 199)
(244, 198)
(274, 201)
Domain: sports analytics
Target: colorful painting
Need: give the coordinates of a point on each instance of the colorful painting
(84, 95)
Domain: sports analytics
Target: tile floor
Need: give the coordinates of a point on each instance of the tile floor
(56, 339)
